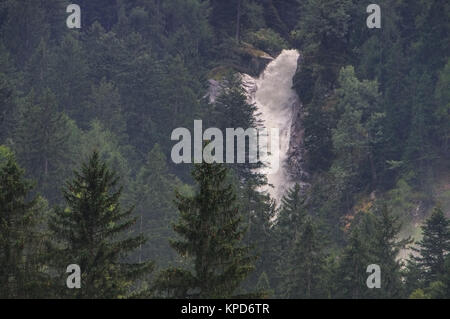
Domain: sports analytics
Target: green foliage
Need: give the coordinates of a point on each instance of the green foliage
(306, 261)
(69, 71)
(88, 232)
(44, 140)
(267, 40)
(386, 247)
(21, 243)
(8, 93)
(153, 193)
(356, 135)
(352, 268)
(211, 236)
(105, 106)
(442, 114)
(434, 246)
(138, 69)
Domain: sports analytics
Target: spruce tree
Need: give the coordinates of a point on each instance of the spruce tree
(434, 246)
(44, 140)
(352, 269)
(292, 213)
(69, 77)
(231, 109)
(20, 242)
(289, 224)
(385, 249)
(442, 113)
(413, 279)
(154, 187)
(8, 93)
(211, 236)
(306, 261)
(92, 234)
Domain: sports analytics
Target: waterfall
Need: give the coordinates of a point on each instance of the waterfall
(275, 100)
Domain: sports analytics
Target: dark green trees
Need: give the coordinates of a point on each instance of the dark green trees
(211, 236)
(289, 224)
(8, 82)
(352, 275)
(442, 113)
(232, 110)
(385, 248)
(44, 141)
(153, 193)
(434, 246)
(292, 213)
(20, 241)
(356, 134)
(306, 265)
(373, 240)
(91, 233)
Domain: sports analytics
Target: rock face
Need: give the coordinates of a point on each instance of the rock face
(214, 89)
(296, 153)
(253, 61)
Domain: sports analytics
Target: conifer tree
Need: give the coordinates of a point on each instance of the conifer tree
(20, 242)
(8, 82)
(352, 269)
(105, 105)
(442, 114)
(289, 224)
(210, 227)
(306, 261)
(434, 246)
(357, 132)
(231, 109)
(154, 188)
(92, 229)
(292, 213)
(413, 279)
(69, 77)
(385, 249)
(44, 141)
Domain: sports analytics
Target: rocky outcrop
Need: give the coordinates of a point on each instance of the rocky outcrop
(254, 61)
(296, 153)
(214, 89)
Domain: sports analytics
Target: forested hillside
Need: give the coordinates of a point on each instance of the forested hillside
(87, 179)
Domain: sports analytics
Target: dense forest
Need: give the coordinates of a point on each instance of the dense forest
(86, 176)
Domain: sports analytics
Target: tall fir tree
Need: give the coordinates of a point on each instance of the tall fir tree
(153, 192)
(8, 93)
(232, 109)
(69, 77)
(306, 261)
(91, 232)
(292, 213)
(44, 141)
(434, 246)
(442, 113)
(21, 242)
(385, 249)
(289, 223)
(352, 268)
(211, 230)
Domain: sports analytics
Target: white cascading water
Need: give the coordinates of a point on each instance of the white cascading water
(275, 99)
